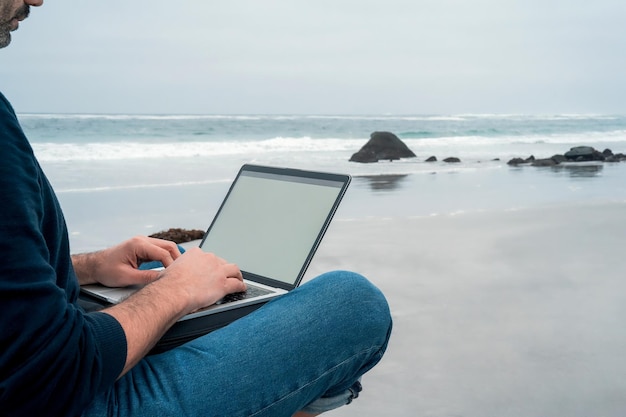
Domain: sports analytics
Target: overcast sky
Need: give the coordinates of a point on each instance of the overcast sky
(319, 57)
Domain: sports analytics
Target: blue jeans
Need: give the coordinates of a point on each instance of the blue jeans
(305, 350)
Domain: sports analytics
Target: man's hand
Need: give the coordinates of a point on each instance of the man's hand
(195, 280)
(118, 266)
(190, 281)
(203, 278)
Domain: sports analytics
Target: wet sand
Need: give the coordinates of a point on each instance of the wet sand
(501, 313)
(506, 285)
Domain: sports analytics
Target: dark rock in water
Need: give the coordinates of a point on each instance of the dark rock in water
(618, 157)
(365, 156)
(179, 235)
(579, 151)
(382, 146)
(516, 161)
(431, 159)
(547, 162)
(452, 160)
(584, 153)
(576, 154)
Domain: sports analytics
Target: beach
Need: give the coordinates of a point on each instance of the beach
(504, 282)
(508, 309)
(502, 313)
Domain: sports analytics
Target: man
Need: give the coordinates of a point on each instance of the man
(56, 359)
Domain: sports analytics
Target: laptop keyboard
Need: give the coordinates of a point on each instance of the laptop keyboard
(250, 292)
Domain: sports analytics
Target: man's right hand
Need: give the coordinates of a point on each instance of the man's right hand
(205, 277)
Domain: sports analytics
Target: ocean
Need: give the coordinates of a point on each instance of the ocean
(118, 175)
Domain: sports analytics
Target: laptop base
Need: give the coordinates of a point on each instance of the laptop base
(182, 331)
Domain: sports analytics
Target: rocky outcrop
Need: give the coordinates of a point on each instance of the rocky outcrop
(382, 146)
(575, 154)
(386, 146)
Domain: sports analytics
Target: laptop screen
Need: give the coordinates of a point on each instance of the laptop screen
(272, 220)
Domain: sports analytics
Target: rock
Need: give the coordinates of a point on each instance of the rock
(431, 159)
(179, 235)
(452, 160)
(579, 152)
(583, 154)
(382, 146)
(576, 154)
(547, 162)
(364, 156)
(516, 161)
(618, 157)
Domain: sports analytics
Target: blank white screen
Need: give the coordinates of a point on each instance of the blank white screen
(269, 223)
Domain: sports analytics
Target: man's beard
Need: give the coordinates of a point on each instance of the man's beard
(5, 36)
(5, 29)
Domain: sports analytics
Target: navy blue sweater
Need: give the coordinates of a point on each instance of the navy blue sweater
(54, 358)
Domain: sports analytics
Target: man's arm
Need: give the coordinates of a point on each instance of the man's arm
(189, 282)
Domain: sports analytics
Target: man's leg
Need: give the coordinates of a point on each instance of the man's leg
(314, 342)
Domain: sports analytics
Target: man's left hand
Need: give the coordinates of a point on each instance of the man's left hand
(118, 265)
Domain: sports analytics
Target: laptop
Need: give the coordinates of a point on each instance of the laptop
(270, 224)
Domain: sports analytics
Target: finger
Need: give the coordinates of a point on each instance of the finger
(169, 246)
(152, 252)
(234, 285)
(233, 271)
(143, 276)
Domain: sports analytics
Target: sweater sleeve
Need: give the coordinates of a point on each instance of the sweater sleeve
(54, 358)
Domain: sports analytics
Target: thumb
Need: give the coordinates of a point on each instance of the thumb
(145, 277)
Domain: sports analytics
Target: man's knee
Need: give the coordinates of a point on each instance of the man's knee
(346, 285)
(355, 296)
